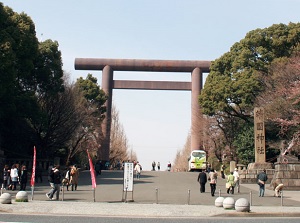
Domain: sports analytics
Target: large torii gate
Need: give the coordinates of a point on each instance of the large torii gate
(108, 66)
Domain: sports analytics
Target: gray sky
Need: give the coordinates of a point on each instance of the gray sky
(156, 123)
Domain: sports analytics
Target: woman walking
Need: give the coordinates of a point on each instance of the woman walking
(230, 183)
(23, 178)
(212, 177)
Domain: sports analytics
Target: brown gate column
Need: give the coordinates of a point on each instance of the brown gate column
(195, 124)
(107, 86)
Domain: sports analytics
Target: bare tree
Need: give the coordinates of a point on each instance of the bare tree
(281, 100)
(181, 158)
(119, 148)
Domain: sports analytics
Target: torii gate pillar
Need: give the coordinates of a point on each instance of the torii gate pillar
(195, 109)
(107, 86)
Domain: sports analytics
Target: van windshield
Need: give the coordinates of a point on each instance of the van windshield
(198, 154)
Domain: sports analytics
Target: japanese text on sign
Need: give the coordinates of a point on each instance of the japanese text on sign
(128, 177)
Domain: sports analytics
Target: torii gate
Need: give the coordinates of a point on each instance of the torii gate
(108, 66)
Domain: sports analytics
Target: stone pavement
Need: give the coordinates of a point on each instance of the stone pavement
(157, 194)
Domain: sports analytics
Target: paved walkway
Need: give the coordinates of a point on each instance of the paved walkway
(155, 195)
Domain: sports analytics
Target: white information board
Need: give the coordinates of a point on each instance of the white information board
(128, 177)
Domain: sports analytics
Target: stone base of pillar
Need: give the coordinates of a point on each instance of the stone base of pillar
(249, 175)
(260, 166)
(288, 174)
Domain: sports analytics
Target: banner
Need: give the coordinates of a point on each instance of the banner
(32, 182)
(94, 184)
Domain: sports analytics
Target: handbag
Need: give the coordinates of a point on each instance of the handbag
(228, 185)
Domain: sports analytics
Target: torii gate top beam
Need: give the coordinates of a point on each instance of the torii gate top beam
(142, 65)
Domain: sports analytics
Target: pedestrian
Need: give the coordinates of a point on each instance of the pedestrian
(223, 171)
(230, 183)
(66, 180)
(14, 176)
(50, 173)
(153, 165)
(98, 167)
(208, 169)
(261, 181)
(74, 175)
(118, 165)
(212, 177)
(56, 177)
(277, 189)
(169, 166)
(158, 165)
(23, 178)
(202, 179)
(39, 174)
(107, 165)
(138, 170)
(6, 177)
(236, 179)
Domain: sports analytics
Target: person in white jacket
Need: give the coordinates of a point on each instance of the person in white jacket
(138, 170)
(236, 179)
(14, 175)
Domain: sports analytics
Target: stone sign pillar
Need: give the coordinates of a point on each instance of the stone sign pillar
(259, 135)
(249, 176)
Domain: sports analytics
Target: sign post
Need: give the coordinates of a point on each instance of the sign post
(93, 177)
(127, 181)
(32, 181)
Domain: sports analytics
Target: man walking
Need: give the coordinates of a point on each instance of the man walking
(261, 181)
(202, 179)
(56, 177)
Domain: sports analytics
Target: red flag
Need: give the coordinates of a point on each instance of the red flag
(32, 182)
(94, 184)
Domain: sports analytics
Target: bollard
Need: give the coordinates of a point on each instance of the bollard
(156, 191)
(126, 195)
(189, 196)
(2, 189)
(219, 192)
(63, 193)
(281, 198)
(250, 198)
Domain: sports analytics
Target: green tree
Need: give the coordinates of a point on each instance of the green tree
(235, 79)
(18, 50)
(48, 76)
(93, 93)
(31, 78)
(244, 143)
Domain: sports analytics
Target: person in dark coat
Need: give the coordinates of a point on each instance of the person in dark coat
(261, 181)
(98, 167)
(23, 178)
(202, 179)
(57, 178)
